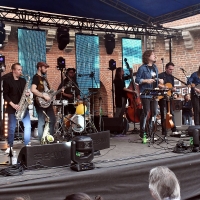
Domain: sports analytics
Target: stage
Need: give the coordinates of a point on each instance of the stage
(121, 172)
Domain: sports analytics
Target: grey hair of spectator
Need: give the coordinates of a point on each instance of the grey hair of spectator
(78, 196)
(163, 184)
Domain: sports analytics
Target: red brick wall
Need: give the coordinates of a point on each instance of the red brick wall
(182, 57)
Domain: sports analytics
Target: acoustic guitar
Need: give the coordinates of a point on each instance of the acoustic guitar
(168, 122)
(170, 87)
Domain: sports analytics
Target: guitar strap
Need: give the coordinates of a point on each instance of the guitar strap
(41, 86)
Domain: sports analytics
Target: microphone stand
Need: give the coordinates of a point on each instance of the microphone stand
(163, 64)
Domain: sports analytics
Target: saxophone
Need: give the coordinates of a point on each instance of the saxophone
(24, 101)
(46, 137)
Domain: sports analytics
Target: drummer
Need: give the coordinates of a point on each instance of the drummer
(69, 92)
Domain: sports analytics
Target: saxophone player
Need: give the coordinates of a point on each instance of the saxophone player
(13, 88)
(39, 86)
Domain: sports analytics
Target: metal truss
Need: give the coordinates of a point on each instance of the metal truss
(180, 14)
(129, 10)
(37, 19)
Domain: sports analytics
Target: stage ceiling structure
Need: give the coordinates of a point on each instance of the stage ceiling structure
(144, 17)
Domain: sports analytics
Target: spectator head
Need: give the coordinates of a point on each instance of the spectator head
(163, 184)
(187, 97)
(78, 196)
(175, 95)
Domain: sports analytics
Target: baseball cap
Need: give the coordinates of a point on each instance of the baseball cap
(40, 64)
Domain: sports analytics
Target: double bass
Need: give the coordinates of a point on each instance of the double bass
(134, 101)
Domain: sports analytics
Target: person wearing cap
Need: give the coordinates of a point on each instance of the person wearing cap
(13, 88)
(68, 93)
(39, 86)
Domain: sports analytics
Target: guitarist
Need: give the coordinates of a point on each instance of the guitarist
(194, 79)
(168, 78)
(40, 85)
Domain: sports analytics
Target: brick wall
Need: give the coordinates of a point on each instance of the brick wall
(182, 57)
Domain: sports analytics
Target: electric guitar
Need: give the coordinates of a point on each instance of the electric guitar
(44, 103)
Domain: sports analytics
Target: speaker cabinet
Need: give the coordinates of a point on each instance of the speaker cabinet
(101, 140)
(119, 125)
(177, 104)
(178, 117)
(49, 155)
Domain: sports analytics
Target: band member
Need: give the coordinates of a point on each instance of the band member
(120, 92)
(147, 78)
(195, 92)
(40, 85)
(187, 110)
(168, 78)
(13, 88)
(69, 92)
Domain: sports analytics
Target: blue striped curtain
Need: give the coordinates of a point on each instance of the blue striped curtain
(31, 50)
(87, 62)
(132, 51)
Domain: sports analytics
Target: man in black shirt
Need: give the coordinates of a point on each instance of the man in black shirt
(69, 92)
(38, 87)
(168, 78)
(13, 88)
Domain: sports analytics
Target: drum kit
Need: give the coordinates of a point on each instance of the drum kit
(80, 123)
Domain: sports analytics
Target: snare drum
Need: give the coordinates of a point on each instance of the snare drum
(78, 125)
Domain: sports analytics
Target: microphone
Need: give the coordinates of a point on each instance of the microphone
(182, 69)
(162, 59)
(125, 59)
(79, 75)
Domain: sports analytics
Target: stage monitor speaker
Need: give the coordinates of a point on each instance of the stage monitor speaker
(177, 104)
(116, 124)
(49, 155)
(101, 140)
(178, 117)
(191, 128)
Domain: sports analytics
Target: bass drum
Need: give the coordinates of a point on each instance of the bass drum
(76, 122)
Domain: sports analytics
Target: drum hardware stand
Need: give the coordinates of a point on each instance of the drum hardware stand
(84, 100)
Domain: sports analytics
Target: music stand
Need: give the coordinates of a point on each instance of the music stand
(154, 93)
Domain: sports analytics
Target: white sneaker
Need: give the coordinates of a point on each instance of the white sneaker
(7, 151)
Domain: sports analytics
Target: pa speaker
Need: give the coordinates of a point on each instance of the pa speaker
(49, 155)
(101, 140)
(116, 124)
(178, 117)
(176, 104)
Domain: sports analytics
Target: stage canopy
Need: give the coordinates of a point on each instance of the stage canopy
(128, 11)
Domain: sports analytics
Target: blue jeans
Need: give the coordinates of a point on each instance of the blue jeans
(12, 125)
(41, 119)
(186, 117)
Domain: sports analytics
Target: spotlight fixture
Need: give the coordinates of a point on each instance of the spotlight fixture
(82, 153)
(62, 37)
(109, 43)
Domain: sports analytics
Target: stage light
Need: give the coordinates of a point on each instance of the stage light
(109, 43)
(62, 37)
(112, 64)
(82, 153)
(60, 63)
(2, 63)
(2, 33)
